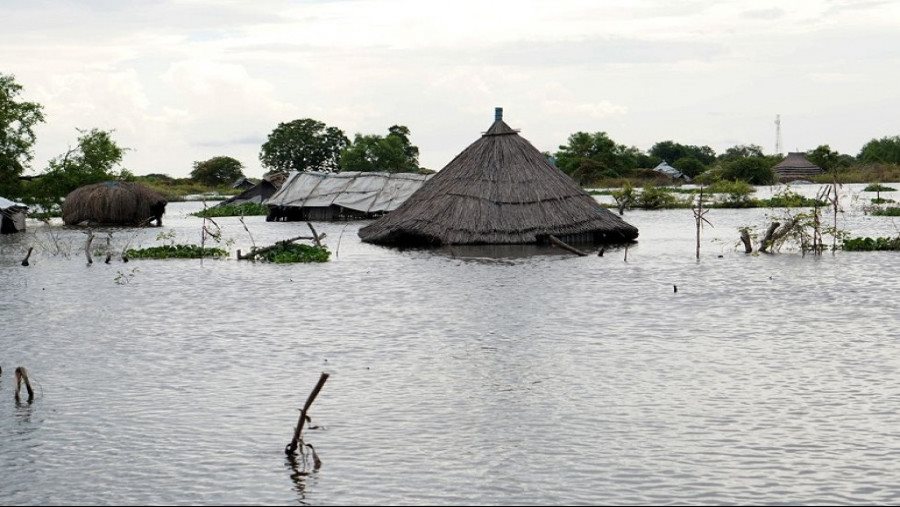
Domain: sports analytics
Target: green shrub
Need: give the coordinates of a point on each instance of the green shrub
(881, 200)
(787, 198)
(737, 193)
(656, 198)
(754, 170)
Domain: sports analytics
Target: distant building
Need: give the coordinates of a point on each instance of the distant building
(243, 184)
(796, 167)
(665, 168)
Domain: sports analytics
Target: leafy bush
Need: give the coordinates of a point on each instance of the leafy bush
(246, 209)
(656, 198)
(880, 200)
(872, 244)
(787, 198)
(754, 170)
(297, 253)
(737, 192)
(175, 252)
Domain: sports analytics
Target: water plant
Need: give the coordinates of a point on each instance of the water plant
(172, 251)
(886, 212)
(878, 187)
(872, 244)
(653, 197)
(292, 253)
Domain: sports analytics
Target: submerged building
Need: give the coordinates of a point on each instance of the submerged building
(499, 190)
(796, 167)
(113, 203)
(346, 195)
(12, 216)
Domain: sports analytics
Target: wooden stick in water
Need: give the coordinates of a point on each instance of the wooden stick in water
(295, 442)
(25, 260)
(22, 377)
(558, 242)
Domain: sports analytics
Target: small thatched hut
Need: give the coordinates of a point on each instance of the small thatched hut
(499, 190)
(113, 203)
(12, 216)
(796, 167)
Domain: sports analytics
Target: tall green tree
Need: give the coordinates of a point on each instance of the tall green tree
(217, 171)
(303, 145)
(828, 159)
(672, 152)
(17, 121)
(589, 157)
(391, 153)
(753, 170)
(96, 157)
(885, 150)
(742, 151)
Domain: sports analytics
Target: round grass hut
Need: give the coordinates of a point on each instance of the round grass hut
(113, 203)
(499, 190)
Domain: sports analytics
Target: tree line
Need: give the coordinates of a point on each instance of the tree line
(311, 145)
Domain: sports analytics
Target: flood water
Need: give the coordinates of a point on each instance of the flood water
(457, 376)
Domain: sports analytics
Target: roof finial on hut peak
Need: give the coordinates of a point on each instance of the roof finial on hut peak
(498, 114)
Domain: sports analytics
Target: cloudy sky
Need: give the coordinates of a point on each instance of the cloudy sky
(185, 80)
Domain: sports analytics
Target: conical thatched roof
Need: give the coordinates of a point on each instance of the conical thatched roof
(499, 190)
(796, 167)
(112, 203)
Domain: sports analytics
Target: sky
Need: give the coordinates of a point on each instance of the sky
(185, 80)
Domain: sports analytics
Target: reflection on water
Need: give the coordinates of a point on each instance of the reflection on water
(533, 379)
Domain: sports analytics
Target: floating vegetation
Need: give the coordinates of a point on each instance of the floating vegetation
(880, 200)
(246, 209)
(878, 187)
(291, 253)
(872, 244)
(886, 212)
(175, 252)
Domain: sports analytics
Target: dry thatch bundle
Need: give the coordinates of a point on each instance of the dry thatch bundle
(499, 190)
(113, 203)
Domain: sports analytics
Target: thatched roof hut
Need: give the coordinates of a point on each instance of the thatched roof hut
(796, 167)
(499, 190)
(113, 203)
(12, 216)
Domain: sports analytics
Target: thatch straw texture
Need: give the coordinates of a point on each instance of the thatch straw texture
(796, 167)
(499, 190)
(112, 203)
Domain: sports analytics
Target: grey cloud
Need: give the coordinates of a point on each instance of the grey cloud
(773, 13)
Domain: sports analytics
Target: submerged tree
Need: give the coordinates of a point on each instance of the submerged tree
(589, 157)
(885, 150)
(303, 145)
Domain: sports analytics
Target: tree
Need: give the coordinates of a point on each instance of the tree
(885, 150)
(17, 121)
(217, 171)
(753, 170)
(303, 145)
(93, 160)
(391, 153)
(672, 152)
(590, 157)
(742, 151)
(689, 166)
(828, 159)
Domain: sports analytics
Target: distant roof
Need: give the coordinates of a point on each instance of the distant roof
(670, 171)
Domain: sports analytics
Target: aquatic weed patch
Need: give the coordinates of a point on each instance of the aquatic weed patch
(246, 209)
(175, 252)
(872, 244)
(886, 212)
(292, 253)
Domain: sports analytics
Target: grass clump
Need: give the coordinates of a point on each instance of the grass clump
(872, 244)
(175, 252)
(293, 252)
(246, 209)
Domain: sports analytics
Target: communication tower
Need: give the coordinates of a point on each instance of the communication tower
(778, 134)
